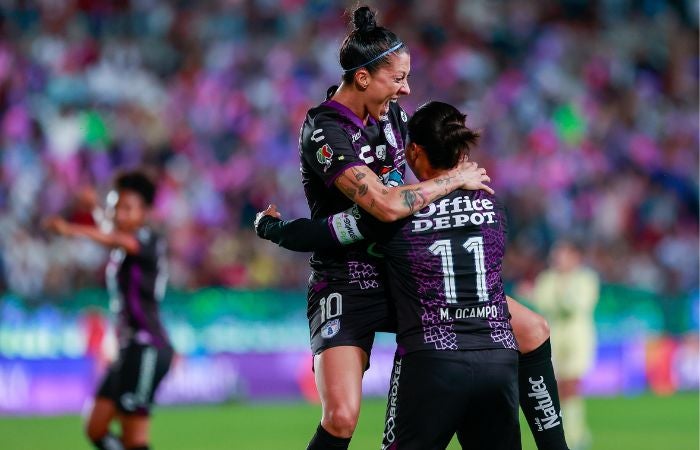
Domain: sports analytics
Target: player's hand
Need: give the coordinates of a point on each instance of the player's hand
(56, 224)
(473, 177)
(271, 211)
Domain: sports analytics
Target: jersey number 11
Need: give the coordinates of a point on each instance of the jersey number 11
(475, 245)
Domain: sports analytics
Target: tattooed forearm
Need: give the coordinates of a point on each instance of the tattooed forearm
(348, 186)
(413, 199)
(362, 190)
(443, 181)
(358, 175)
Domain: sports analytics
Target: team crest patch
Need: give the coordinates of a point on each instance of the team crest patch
(330, 328)
(404, 117)
(389, 134)
(391, 177)
(381, 152)
(325, 156)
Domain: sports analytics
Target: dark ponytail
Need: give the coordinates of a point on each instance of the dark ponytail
(367, 45)
(440, 129)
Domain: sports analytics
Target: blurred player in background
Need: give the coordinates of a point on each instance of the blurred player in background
(456, 367)
(136, 279)
(567, 294)
(352, 151)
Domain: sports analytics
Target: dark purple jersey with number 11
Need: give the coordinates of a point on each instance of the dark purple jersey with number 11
(444, 273)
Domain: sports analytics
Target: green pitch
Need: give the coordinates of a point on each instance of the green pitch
(638, 423)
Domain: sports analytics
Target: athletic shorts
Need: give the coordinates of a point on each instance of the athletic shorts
(131, 381)
(342, 313)
(573, 350)
(435, 394)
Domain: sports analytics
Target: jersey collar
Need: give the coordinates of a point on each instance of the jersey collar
(347, 113)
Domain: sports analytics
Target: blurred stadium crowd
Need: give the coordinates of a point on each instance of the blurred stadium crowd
(588, 113)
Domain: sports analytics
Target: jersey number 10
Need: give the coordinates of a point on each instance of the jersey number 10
(475, 245)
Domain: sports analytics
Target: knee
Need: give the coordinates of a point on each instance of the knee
(541, 330)
(537, 334)
(340, 422)
(94, 432)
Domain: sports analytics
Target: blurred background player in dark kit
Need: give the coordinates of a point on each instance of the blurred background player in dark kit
(136, 279)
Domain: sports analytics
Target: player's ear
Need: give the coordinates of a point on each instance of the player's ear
(362, 78)
(415, 156)
(411, 153)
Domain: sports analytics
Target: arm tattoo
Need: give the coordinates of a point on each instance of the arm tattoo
(350, 192)
(348, 188)
(444, 180)
(363, 190)
(413, 199)
(359, 175)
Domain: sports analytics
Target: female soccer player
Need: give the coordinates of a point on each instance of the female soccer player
(351, 152)
(136, 280)
(456, 364)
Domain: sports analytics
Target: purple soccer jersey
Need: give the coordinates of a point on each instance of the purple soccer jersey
(332, 140)
(137, 284)
(444, 273)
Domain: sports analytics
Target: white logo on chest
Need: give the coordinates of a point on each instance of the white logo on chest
(389, 134)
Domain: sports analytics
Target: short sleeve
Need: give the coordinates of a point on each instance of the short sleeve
(148, 245)
(327, 149)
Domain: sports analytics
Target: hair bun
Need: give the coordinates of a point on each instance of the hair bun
(363, 19)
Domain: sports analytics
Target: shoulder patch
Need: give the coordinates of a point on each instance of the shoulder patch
(324, 155)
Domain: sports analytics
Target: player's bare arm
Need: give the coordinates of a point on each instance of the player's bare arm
(113, 239)
(388, 204)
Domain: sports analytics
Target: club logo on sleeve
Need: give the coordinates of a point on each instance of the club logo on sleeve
(325, 156)
(404, 117)
(389, 134)
(330, 328)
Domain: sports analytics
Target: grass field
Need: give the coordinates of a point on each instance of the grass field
(639, 423)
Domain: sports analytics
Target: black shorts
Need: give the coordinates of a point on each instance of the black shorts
(342, 313)
(435, 394)
(131, 381)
